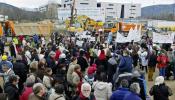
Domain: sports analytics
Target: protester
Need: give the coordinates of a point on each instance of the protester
(125, 64)
(58, 94)
(5, 62)
(11, 87)
(82, 61)
(28, 88)
(121, 92)
(134, 95)
(38, 92)
(85, 93)
(160, 91)
(102, 89)
(47, 79)
(152, 61)
(162, 60)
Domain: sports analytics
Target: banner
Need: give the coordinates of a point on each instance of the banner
(134, 35)
(120, 38)
(160, 38)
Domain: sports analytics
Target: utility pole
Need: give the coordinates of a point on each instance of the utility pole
(72, 12)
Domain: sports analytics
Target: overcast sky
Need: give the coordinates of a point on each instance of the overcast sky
(36, 3)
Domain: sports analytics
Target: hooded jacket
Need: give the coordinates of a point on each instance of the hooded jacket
(12, 91)
(125, 64)
(102, 90)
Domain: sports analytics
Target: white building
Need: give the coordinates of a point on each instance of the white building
(99, 11)
(118, 10)
(79, 3)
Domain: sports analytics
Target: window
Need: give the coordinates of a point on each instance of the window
(131, 17)
(109, 16)
(133, 13)
(84, 3)
(98, 4)
(111, 4)
(133, 6)
(132, 9)
(66, 0)
(109, 8)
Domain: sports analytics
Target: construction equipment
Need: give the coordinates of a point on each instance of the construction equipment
(7, 28)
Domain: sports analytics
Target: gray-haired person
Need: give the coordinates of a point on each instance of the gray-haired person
(134, 95)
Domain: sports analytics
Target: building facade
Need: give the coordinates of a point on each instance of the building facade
(119, 10)
(104, 11)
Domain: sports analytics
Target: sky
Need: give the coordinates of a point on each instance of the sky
(37, 3)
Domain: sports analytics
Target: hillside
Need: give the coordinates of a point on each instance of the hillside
(18, 14)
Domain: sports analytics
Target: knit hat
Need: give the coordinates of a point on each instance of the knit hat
(159, 80)
(4, 57)
(91, 70)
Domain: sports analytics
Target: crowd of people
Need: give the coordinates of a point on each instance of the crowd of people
(33, 69)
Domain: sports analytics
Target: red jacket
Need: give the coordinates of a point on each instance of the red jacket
(162, 61)
(58, 53)
(102, 55)
(26, 93)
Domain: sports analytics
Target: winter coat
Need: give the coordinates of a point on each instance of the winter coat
(70, 72)
(125, 64)
(162, 61)
(82, 62)
(152, 61)
(21, 70)
(143, 58)
(102, 90)
(120, 94)
(88, 79)
(160, 92)
(75, 78)
(7, 74)
(47, 81)
(12, 91)
(32, 96)
(132, 96)
(26, 93)
(111, 69)
(58, 53)
(55, 96)
(81, 97)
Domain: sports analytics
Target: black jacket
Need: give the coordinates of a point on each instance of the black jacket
(82, 62)
(12, 91)
(160, 92)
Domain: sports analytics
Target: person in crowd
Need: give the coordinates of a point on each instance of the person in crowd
(89, 78)
(135, 57)
(169, 69)
(38, 93)
(20, 69)
(58, 53)
(138, 77)
(42, 65)
(35, 56)
(162, 60)
(152, 61)
(12, 49)
(102, 89)
(11, 87)
(28, 88)
(1, 47)
(135, 90)
(58, 94)
(85, 93)
(160, 91)
(144, 59)
(102, 58)
(51, 62)
(173, 64)
(47, 79)
(121, 92)
(112, 65)
(77, 78)
(28, 56)
(82, 61)
(7, 73)
(6, 62)
(71, 70)
(42, 54)
(125, 64)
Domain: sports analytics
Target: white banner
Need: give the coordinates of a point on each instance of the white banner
(160, 38)
(134, 35)
(120, 38)
(79, 43)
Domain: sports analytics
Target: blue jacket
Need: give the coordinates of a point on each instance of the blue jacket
(132, 96)
(125, 64)
(120, 94)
